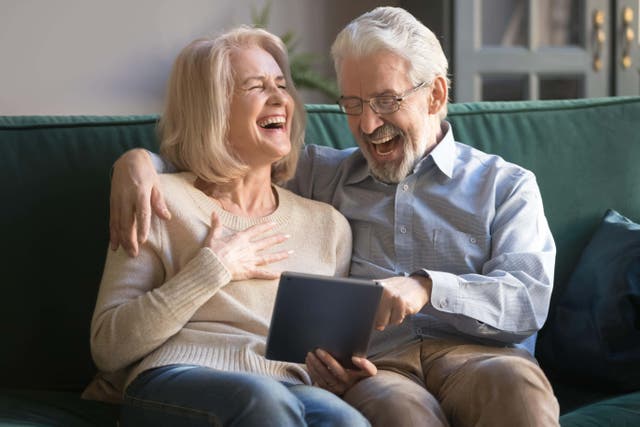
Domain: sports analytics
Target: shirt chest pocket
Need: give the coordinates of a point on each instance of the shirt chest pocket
(373, 244)
(458, 252)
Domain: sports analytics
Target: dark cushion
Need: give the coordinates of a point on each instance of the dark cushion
(36, 408)
(623, 411)
(595, 335)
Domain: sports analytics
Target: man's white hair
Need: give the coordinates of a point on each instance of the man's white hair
(396, 30)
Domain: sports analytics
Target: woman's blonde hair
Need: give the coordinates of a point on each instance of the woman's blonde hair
(195, 123)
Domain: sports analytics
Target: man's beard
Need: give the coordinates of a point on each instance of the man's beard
(392, 172)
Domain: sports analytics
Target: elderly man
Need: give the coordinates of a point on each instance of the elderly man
(458, 238)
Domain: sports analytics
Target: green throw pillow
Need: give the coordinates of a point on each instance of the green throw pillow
(595, 334)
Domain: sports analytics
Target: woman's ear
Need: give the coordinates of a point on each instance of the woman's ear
(439, 94)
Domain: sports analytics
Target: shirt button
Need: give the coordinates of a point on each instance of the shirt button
(443, 303)
(403, 229)
(405, 187)
(418, 331)
(473, 240)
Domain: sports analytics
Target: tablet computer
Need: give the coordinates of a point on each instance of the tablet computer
(313, 311)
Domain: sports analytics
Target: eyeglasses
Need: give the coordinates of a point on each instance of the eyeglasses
(386, 104)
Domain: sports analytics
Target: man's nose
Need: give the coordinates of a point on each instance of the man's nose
(369, 119)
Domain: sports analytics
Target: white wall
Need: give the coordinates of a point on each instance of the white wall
(114, 56)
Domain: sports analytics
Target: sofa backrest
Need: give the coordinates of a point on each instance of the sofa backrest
(54, 184)
(54, 187)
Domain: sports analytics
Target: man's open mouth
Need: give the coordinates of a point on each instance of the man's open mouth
(385, 139)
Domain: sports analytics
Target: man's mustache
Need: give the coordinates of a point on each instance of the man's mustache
(384, 132)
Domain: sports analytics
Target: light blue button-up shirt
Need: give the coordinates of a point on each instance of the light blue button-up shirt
(472, 221)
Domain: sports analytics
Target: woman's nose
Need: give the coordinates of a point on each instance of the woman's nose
(277, 95)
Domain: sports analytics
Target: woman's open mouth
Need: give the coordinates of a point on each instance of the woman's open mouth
(273, 122)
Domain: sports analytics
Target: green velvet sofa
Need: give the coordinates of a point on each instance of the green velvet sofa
(54, 187)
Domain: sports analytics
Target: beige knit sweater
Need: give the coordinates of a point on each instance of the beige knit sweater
(175, 303)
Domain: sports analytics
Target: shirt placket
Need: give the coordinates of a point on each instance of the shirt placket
(403, 232)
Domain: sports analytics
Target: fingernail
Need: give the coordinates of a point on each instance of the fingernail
(290, 251)
(286, 236)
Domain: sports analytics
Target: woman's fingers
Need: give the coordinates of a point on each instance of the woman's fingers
(328, 373)
(271, 258)
(263, 274)
(321, 374)
(333, 366)
(267, 242)
(245, 251)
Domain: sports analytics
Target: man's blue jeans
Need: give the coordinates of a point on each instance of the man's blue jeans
(187, 395)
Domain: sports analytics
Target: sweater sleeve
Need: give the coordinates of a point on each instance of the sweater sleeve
(343, 244)
(137, 309)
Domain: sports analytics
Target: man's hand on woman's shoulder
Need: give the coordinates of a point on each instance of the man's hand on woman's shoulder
(134, 192)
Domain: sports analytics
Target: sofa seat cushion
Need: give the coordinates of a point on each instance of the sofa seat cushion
(38, 408)
(622, 411)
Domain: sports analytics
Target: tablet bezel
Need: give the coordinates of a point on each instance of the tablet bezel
(300, 324)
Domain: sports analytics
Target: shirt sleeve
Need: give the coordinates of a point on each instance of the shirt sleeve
(160, 164)
(137, 309)
(319, 172)
(509, 300)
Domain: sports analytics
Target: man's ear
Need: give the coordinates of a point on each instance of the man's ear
(439, 94)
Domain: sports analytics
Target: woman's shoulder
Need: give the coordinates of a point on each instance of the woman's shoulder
(175, 187)
(176, 180)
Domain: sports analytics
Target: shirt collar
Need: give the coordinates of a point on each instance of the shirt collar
(443, 155)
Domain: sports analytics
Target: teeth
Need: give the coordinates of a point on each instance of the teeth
(271, 120)
(383, 134)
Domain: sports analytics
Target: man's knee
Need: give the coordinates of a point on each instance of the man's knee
(512, 372)
(392, 399)
(506, 389)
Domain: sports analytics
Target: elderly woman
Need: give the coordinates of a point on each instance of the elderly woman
(180, 329)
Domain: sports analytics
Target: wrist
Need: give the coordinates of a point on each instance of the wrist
(423, 277)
